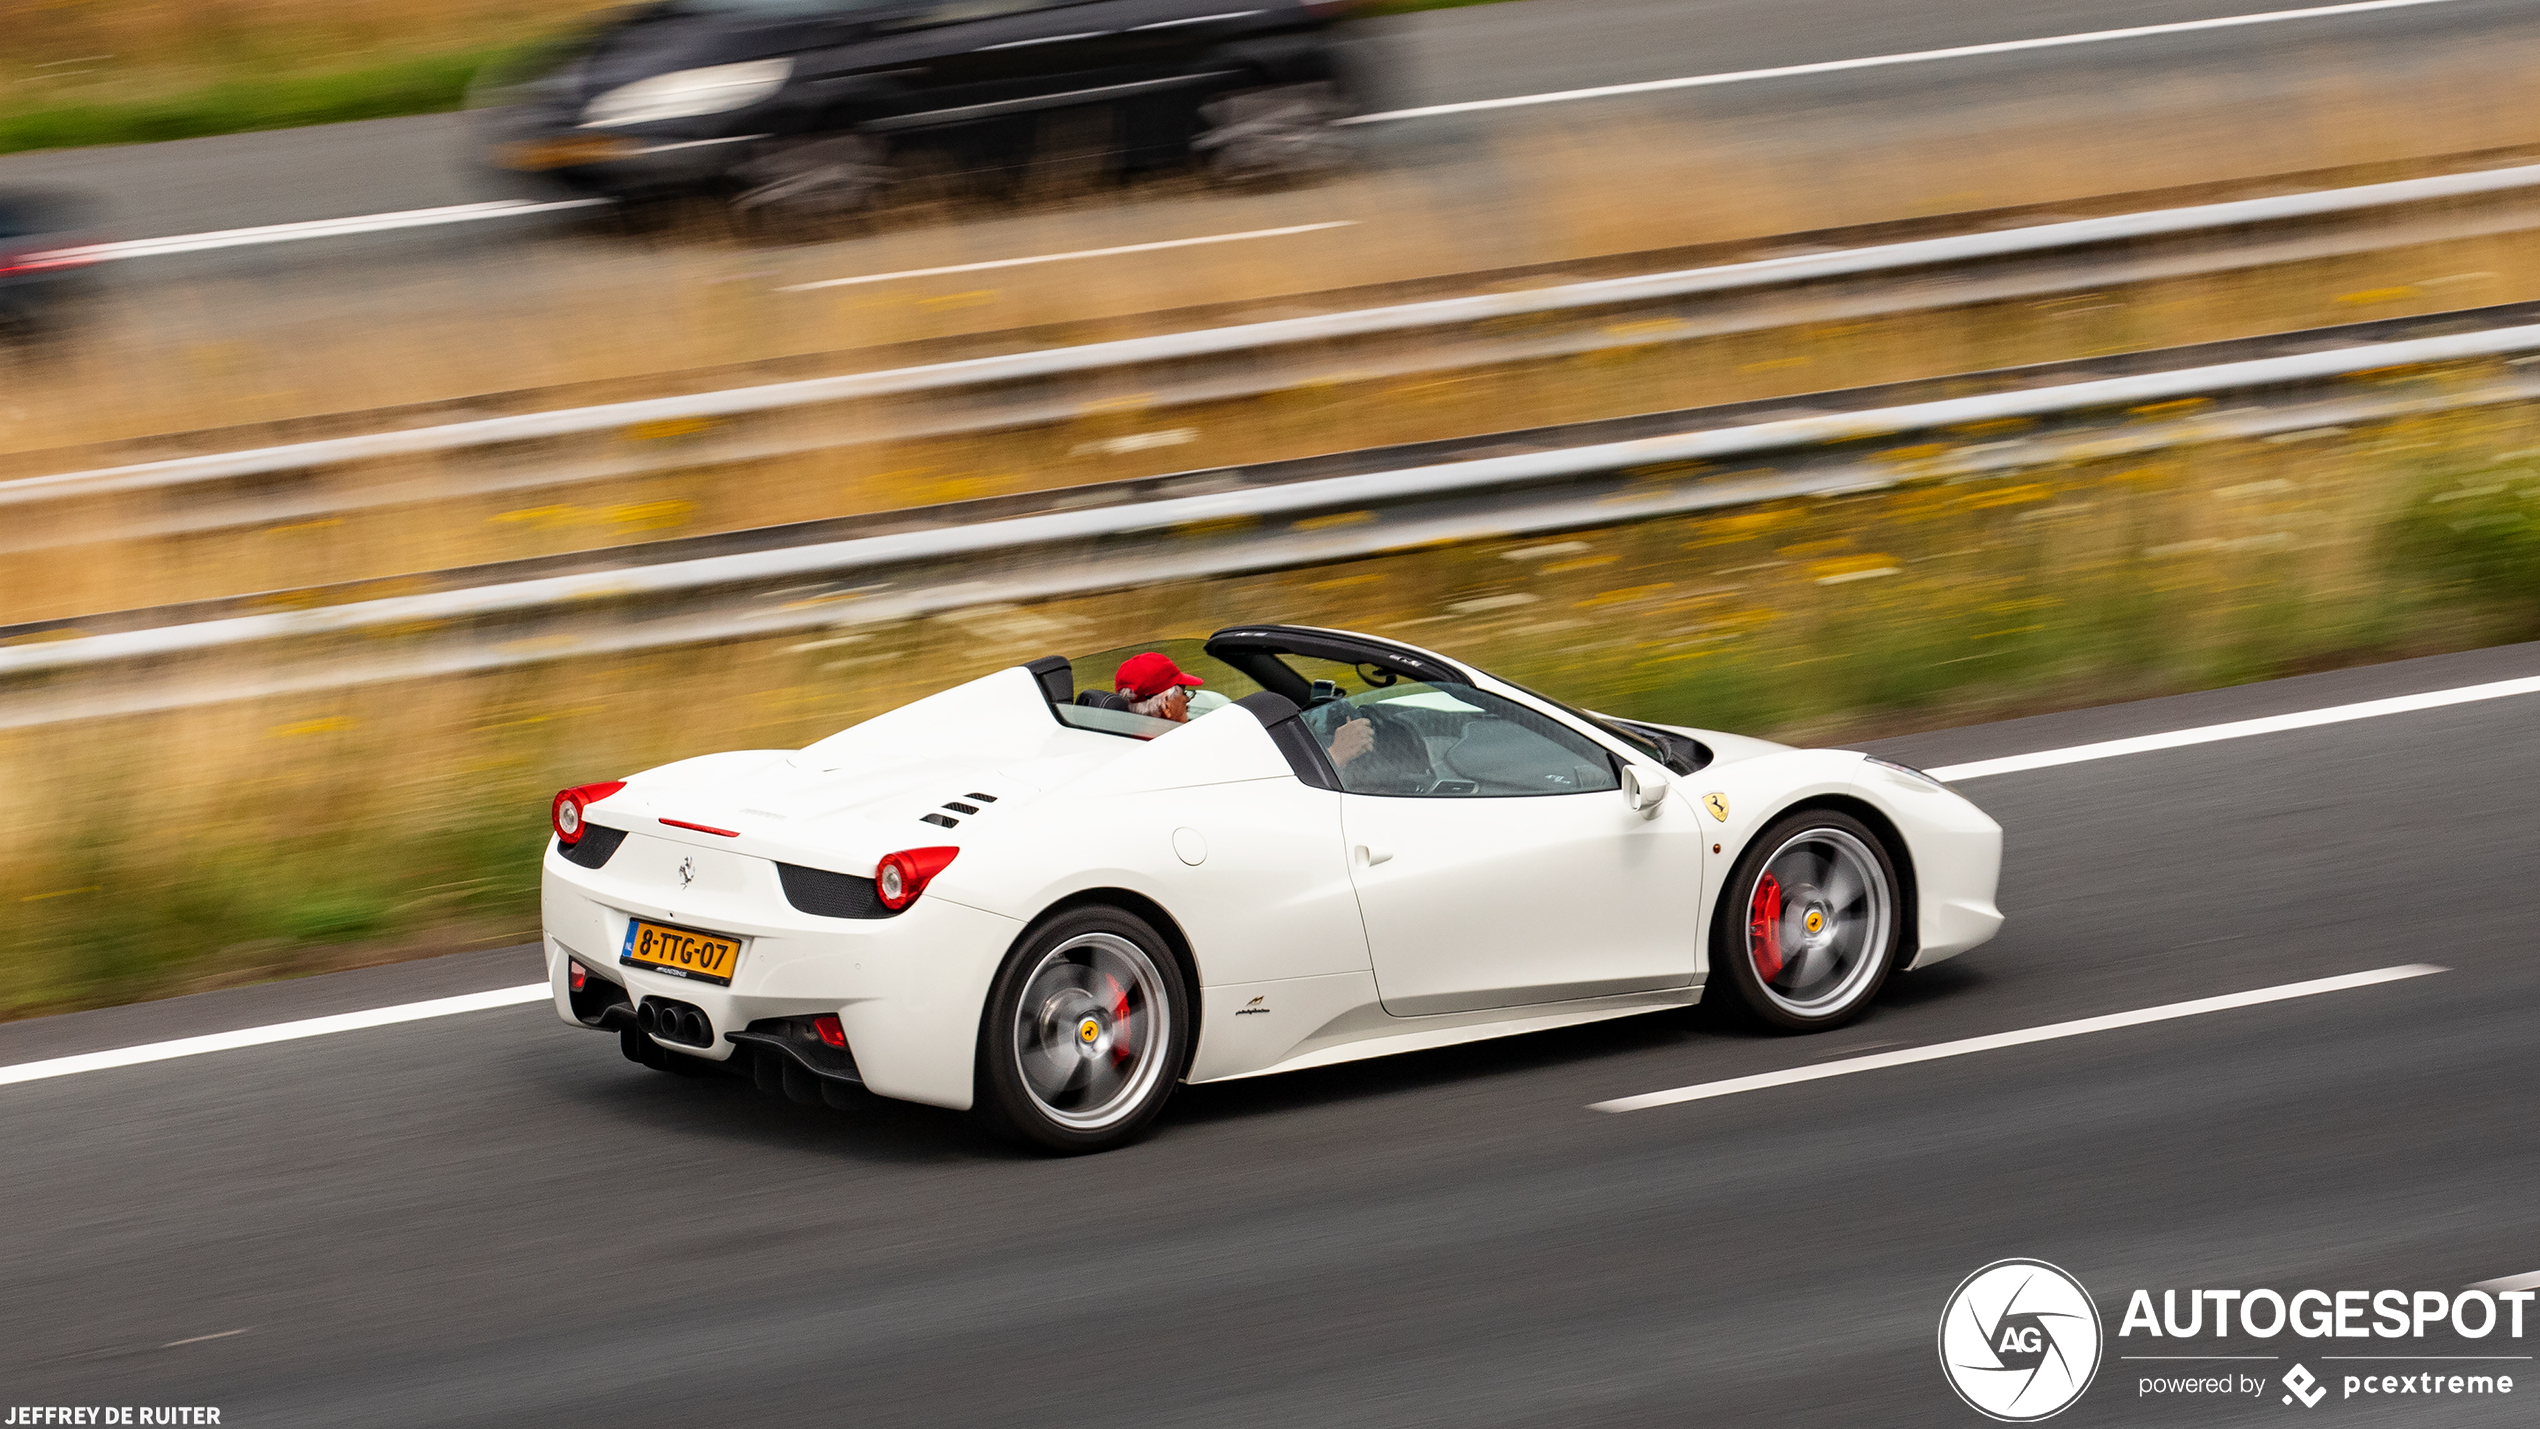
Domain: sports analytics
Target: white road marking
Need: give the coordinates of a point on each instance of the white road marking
(1960, 52)
(2529, 1281)
(276, 1032)
(1702, 1091)
(198, 1339)
(318, 228)
(1064, 257)
(2236, 729)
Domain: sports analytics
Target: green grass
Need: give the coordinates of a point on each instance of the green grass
(431, 83)
(424, 84)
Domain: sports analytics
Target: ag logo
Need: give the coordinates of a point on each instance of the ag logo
(2019, 1340)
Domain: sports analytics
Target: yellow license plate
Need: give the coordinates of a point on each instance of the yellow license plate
(707, 957)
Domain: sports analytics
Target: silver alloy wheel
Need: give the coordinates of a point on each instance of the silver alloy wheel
(1091, 1031)
(1817, 922)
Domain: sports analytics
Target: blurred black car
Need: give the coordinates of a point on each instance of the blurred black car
(43, 270)
(810, 102)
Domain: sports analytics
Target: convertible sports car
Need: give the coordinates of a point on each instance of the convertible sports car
(1020, 896)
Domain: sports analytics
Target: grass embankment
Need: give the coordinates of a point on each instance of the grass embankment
(260, 838)
(138, 72)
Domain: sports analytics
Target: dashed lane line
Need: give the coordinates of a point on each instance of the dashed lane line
(2053, 1031)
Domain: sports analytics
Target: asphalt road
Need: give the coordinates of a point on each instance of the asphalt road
(493, 1219)
(1485, 52)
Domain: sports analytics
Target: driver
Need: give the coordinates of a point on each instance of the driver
(1155, 687)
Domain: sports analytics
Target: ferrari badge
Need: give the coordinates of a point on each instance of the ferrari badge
(1718, 804)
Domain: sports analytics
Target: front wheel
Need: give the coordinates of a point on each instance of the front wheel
(1809, 922)
(1086, 1031)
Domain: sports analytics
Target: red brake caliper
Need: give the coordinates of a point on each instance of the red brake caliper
(1764, 928)
(1120, 1051)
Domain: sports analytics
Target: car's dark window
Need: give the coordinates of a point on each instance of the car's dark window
(786, 9)
(1446, 741)
(954, 12)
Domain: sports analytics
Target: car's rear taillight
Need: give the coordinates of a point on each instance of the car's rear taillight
(901, 876)
(830, 1030)
(49, 262)
(566, 814)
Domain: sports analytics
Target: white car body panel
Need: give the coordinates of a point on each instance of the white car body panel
(1533, 912)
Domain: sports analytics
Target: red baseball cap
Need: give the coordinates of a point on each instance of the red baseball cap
(1149, 675)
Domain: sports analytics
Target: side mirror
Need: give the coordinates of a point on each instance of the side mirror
(1644, 789)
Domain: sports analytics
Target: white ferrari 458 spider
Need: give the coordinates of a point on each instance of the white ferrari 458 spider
(1055, 892)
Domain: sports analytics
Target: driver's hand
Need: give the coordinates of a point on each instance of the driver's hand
(1352, 740)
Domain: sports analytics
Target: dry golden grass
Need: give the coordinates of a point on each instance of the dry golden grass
(68, 559)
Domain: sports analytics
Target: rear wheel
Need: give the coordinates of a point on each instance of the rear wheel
(1808, 925)
(1086, 1031)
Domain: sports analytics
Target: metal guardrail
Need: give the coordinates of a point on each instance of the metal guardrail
(1220, 363)
(887, 577)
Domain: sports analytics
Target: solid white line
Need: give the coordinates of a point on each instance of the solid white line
(2237, 729)
(2001, 47)
(2530, 1281)
(277, 1032)
(2052, 1031)
(1063, 257)
(319, 228)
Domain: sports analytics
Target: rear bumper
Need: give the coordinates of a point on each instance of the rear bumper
(907, 990)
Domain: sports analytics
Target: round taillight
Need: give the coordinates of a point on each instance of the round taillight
(900, 877)
(566, 813)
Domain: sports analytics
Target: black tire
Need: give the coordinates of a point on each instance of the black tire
(1086, 1032)
(1836, 909)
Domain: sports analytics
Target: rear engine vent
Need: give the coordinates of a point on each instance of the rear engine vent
(959, 807)
(823, 894)
(982, 798)
(941, 821)
(594, 847)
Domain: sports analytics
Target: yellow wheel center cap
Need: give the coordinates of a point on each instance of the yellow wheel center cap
(1088, 1030)
(1816, 921)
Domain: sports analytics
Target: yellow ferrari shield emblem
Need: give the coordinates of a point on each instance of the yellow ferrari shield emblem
(1718, 804)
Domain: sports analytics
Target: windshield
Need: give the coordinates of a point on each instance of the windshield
(1674, 751)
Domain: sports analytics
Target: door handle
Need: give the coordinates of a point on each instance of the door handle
(1371, 856)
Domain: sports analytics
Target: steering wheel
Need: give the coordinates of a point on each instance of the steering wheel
(1399, 760)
